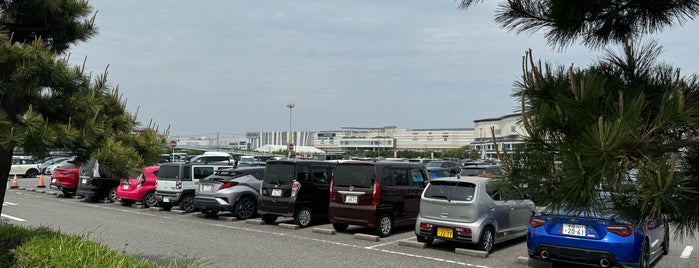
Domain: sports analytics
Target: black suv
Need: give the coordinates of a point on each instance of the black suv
(95, 184)
(296, 188)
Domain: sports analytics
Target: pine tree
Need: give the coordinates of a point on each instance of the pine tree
(47, 104)
(626, 125)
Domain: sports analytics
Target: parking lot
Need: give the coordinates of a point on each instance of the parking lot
(219, 241)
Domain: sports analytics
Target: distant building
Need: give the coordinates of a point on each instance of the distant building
(507, 130)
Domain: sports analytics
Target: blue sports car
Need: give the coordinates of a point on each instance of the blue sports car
(598, 239)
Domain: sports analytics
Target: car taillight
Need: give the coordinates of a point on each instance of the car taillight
(375, 194)
(535, 221)
(332, 183)
(178, 185)
(622, 230)
(295, 188)
(228, 184)
(426, 226)
(463, 230)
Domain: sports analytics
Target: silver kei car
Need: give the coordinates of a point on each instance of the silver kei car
(464, 210)
(234, 189)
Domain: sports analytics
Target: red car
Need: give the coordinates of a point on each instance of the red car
(65, 180)
(140, 189)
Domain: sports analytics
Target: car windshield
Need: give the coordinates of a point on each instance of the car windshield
(169, 172)
(280, 173)
(451, 190)
(354, 175)
(434, 164)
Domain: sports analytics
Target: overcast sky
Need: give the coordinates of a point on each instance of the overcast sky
(232, 66)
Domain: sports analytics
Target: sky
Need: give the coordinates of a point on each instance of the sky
(231, 67)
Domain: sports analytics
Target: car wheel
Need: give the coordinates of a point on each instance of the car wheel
(209, 212)
(112, 196)
(31, 173)
(340, 227)
(67, 194)
(149, 200)
(269, 219)
(126, 202)
(644, 260)
(384, 227)
(487, 240)
(165, 206)
(424, 239)
(245, 208)
(303, 217)
(187, 203)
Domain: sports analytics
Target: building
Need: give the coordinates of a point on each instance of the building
(507, 131)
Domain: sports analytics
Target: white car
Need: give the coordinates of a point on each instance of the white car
(24, 167)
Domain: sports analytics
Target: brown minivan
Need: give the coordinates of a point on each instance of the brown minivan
(295, 188)
(380, 194)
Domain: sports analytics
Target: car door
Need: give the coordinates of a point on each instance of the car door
(499, 209)
(412, 199)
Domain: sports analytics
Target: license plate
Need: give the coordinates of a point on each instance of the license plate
(351, 199)
(276, 192)
(166, 199)
(574, 229)
(445, 232)
(125, 186)
(206, 187)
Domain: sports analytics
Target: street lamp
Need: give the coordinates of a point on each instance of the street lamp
(289, 137)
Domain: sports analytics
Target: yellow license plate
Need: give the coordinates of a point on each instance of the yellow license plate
(445, 232)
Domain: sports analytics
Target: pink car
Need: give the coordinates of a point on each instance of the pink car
(140, 189)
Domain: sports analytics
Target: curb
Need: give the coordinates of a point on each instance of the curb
(288, 226)
(177, 211)
(367, 237)
(472, 253)
(323, 231)
(254, 221)
(412, 244)
(156, 208)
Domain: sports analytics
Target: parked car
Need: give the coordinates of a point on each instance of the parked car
(233, 189)
(214, 158)
(439, 172)
(596, 237)
(295, 188)
(454, 167)
(95, 184)
(139, 189)
(25, 167)
(380, 194)
(65, 163)
(177, 183)
(466, 210)
(65, 180)
(490, 171)
(51, 161)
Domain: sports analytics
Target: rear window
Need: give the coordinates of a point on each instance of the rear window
(469, 171)
(280, 173)
(450, 190)
(354, 175)
(169, 172)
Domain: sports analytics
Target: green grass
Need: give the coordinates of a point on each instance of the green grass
(43, 247)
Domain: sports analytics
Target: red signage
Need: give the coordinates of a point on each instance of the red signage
(173, 144)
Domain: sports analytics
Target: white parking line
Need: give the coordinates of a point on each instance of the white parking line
(686, 252)
(12, 218)
(8, 204)
(387, 243)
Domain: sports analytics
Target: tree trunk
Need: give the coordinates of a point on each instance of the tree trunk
(5, 163)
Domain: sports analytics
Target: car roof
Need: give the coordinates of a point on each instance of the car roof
(472, 179)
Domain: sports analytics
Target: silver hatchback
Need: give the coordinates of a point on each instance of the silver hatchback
(464, 210)
(234, 189)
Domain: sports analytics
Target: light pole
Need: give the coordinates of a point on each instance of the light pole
(289, 137)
